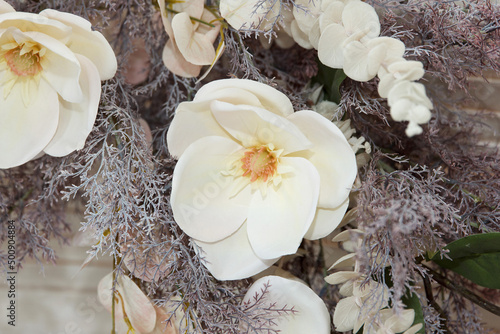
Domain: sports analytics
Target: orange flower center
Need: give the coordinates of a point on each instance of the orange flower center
(259, 163)
(23, 64)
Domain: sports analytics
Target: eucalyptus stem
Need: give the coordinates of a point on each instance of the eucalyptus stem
(464, 292)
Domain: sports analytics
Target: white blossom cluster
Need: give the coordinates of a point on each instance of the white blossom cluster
(346, 34)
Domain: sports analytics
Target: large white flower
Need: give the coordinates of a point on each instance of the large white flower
(309, 314)
(51, 67)
(253, 177)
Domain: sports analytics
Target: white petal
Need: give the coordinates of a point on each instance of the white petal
(233, 258)
(278, 221)
(345, 261)
(195, 47)
(242, 13)
(305, 13)
(254, 126)
(345, 315)
(26, 129)
(61, 69)
(332, 157)
(5, 7)
(202, 198)
(35, 22)
(361, 62)
(176, 63)
(402, 322)
(312, 315)
(330, 46)
(412, 91)
(346, 235)
(86, 42)
(138, 307)
(341, 277)
(325, 221)
(76, 120)
(360, 17)
(300, 37)
(270, 98)
(414, 329)
(331, 14)
(192, 121)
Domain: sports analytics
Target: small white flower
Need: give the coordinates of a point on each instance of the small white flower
(191, 42)
(409, 102)
(51, 67)
(254, 178)
(398, 71)
(309, 315)
(359, 23)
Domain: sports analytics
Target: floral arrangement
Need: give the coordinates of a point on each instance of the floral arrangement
(262, 166)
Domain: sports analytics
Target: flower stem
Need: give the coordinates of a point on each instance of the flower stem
(192, 18)
(464, 292)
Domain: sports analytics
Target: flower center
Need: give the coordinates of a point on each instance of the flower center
(259, 163)
(22, 62)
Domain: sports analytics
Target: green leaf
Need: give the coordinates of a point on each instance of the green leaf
(413, 302)
(475, 257)
(331, 79)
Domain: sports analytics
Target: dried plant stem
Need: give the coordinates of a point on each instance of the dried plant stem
(433, 303)
(466, 293)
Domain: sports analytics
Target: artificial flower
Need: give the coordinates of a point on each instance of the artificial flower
(409, 102)
(253, 177)
(243, 14)
(309, 314)
(192, 31)
(133, 310)
(359, 23)
(51, 67)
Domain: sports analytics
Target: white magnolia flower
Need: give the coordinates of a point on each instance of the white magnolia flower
(51, 67)
(253, 177)
(192, 31)
(310, 314)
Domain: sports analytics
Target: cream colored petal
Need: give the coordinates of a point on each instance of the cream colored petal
(165, 19)
(347, 289)
(233, 258)
(278, 221)
(242, 13)
(312, 316)
(332, 157)
(254, 126)
(331, 14)
(26, 129)
(414, 329)
(330, 46)
(400, 323)
(362, 63)
(284, 40)
(345, 261)
(305, 13)
(345, 315)
(34, 22)
(325, 221)
(394, 48)
(219, 52)
(300, 37)
(346, 235)
(193, 8)
(176, 63)
(5, 7)
(86, 42)
(412, 91)
(195, 47)
(61, 69)
(270, 98)
(76, 120)
(138, 307)
(202, 198)
(192, 121)
(359, 16)
(341, 277)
